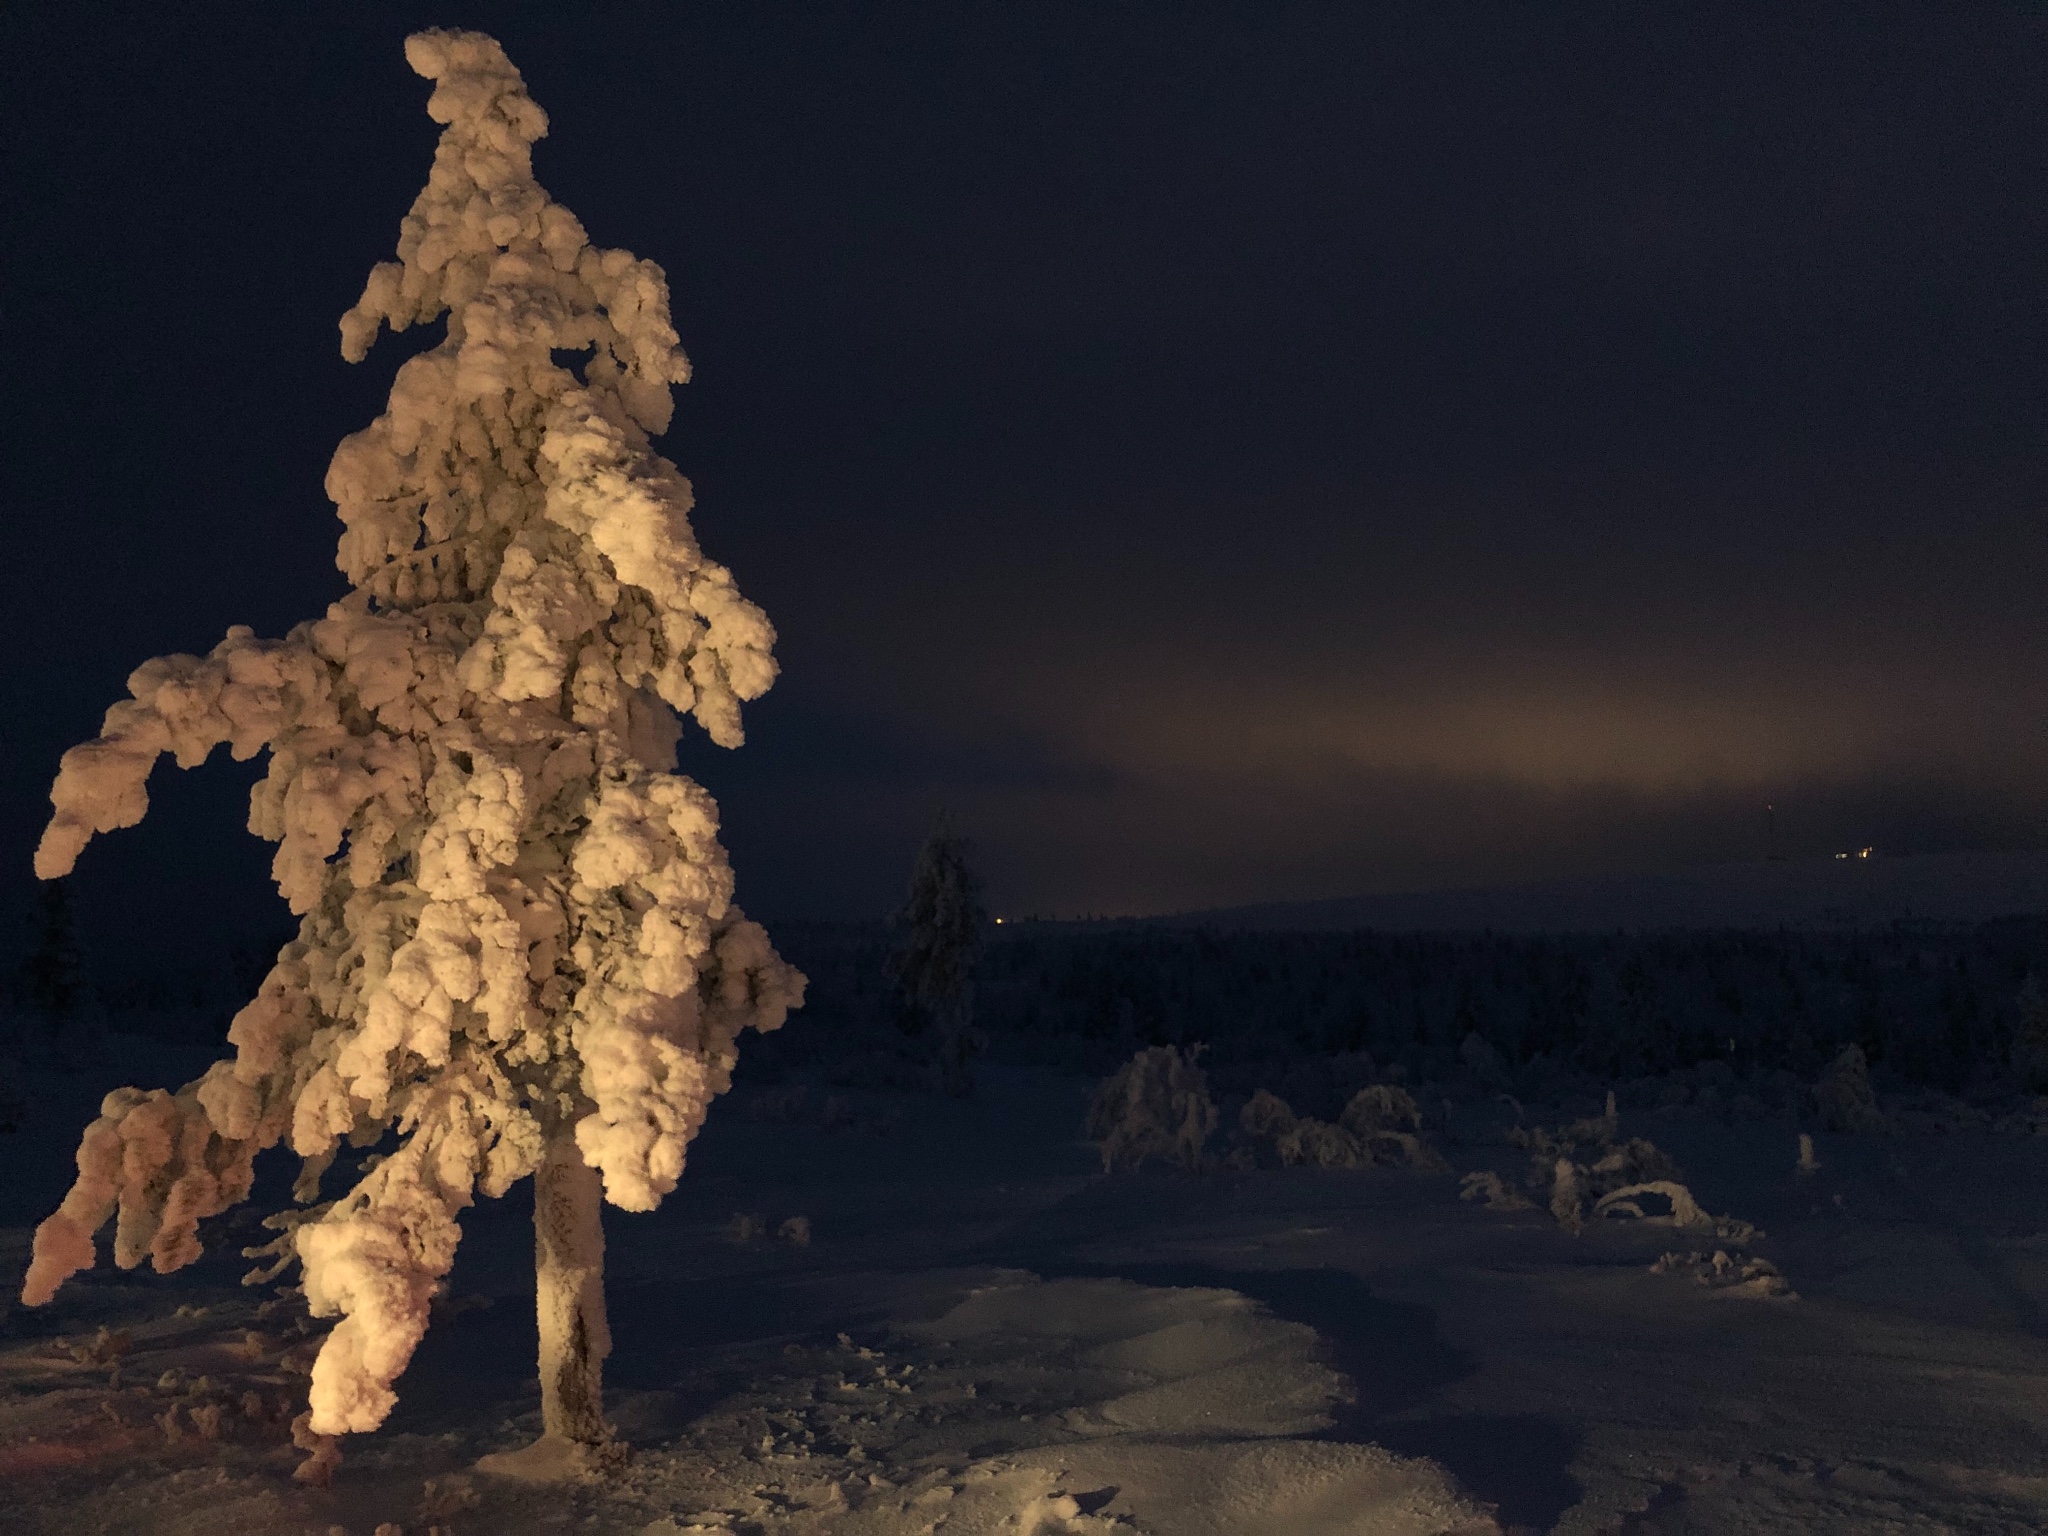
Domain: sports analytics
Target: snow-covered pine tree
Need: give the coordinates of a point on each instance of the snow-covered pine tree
(53, 982)
(942, 921)
(518, 949)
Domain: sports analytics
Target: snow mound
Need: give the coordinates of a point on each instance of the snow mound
(994, 1402)
(1204, 1362)
(1198, 1399)
(1048, 1408)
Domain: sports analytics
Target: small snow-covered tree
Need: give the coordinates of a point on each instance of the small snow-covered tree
(1844, 1095)
(518, 950)
(53, 981)
(53, 975)
(942, 923)
(1156, 1104)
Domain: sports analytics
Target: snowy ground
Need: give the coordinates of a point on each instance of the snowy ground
(985, 1334)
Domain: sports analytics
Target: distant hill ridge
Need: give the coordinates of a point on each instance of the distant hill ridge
(1826, 894)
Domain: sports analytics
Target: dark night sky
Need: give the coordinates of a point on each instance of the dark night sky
(1218, 452)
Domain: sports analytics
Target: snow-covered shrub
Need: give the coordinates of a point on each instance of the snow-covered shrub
(1379, 1109)
(1844, 1097)
(1485, 1185)
(1387, 1122)
(1629, 1201)
(1379, 1126)
(1586, 1167)
(518, 948)
(1266, 1116)
(1319, 1144)
(1594, 1144)
(1621, 1163)
(1725, 1275)
(1157, 1104)
(1583, 1162)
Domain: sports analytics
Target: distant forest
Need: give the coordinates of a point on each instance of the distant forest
(1931, 1005)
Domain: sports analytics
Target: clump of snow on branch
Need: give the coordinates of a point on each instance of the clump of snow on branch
(1156, 1104)
(517, 922)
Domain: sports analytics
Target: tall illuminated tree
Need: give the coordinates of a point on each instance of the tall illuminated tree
(518, 951)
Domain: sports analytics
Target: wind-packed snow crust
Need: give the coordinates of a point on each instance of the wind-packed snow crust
(517, 920)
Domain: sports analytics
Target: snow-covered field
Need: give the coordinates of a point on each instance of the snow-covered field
(983, 1333)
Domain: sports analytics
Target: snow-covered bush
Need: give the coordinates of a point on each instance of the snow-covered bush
(518, 948)
(1593, 1144)
(1266, 1116)
(1844, 1097)
(1486, 1186)
(1319, 1144)
(1388, 1123)
(1581, 1162)
(1156, 1105)
(1380, 1109)
(1586, 1170)
(1631, 1201)
(1380, 1125)
(1725, 1275)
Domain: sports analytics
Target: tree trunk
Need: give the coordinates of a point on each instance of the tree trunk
(568, 1251)
(568, 1265)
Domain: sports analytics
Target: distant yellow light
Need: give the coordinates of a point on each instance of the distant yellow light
(999, 919)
